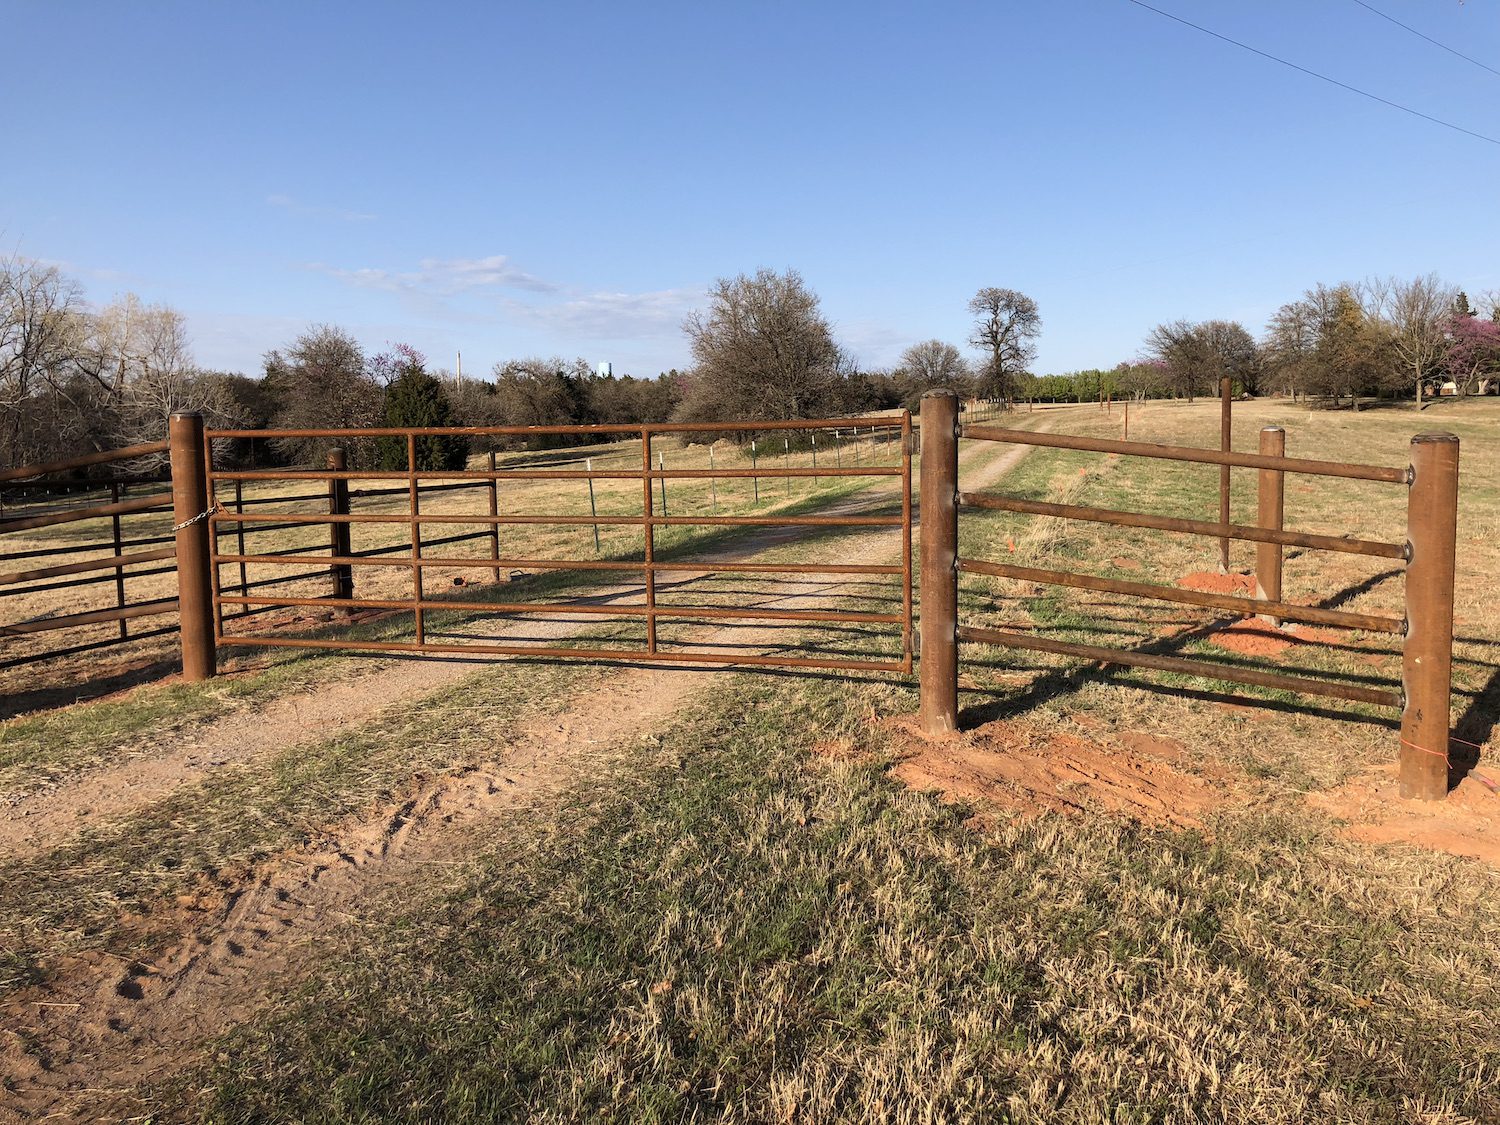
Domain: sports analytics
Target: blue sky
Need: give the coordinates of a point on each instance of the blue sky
(568, 178)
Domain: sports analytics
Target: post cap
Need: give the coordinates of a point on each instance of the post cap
(940, 392)
(187, 414)
(1436, 435)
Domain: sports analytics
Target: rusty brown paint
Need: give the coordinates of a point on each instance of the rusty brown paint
(1203, 669)
(342, 574)
(939, 569)
(1226, 440)
(1427, 656)
(1184, 526)
(190, 509)
(1188, 453)
(1249, 607)
(1270, 514)
(126, 453)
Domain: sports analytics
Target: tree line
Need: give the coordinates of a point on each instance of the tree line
(75, 379)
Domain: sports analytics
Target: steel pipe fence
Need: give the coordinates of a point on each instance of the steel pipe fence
(123, 562)
(1428, 551)
(229, 517)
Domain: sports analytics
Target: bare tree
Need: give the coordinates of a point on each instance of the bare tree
(762, 350)
(1416, 312)
(932, 364)
(1006, 326)
(41, 318)
(321, 382)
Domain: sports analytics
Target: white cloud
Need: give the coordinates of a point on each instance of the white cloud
(612, 316)
(440, 277)
(296, 207)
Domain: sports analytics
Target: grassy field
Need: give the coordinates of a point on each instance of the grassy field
(744, 916)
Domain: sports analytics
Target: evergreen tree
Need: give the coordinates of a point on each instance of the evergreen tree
(415, 399)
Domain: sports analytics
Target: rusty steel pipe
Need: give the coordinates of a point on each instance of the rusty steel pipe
(414, 499)
(342, 574)
(492, 497)
(190, 512)
(890, 421)
(157, 502)
(1188, 453)
(1186, 527)
(115, 562)
(92, 617)
(1427, 656)
(939, 572)
(126, 453)
(648, 529)
(908, 642)
(728, 613)
(1202, 668)
(573, 653)
(1249, 607)
(462, 563)
(1226, 441)
(1270, 514)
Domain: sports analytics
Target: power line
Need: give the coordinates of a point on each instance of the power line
(1430, 39)
(1321, 77)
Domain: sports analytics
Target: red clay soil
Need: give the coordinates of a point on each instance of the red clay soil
(1257, 638)
(1022, 769)
(1215, 583)
(1466, 824)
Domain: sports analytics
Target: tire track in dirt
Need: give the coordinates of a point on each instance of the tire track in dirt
(105, 1033)
(78, 1047)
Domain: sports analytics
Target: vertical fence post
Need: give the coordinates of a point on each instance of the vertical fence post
(1270, 513)
(1127, 419)
(649, 547)
(1226, 439)
(338, 532)
(239, 536)
(414, 499)
(713, 482)
(939, 575)
(114, 520)
(754, 473)
(1427, 654)
(588, 463)
(195, 602)
(494, 502)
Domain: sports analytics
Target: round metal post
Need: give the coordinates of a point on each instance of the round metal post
(195, 601)
(1226, 438)
(338, 533)
(1271, 513)
(939, 563)
(1427, 655)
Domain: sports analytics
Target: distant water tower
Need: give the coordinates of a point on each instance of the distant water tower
(606, 370)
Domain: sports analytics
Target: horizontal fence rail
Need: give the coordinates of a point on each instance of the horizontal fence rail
(228, 517)
(49, 497)
(1426, 628)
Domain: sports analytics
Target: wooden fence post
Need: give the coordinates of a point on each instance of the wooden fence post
(190, 514)
(1271, 513)
(338, 532)
(1427, 654)
(939, 563)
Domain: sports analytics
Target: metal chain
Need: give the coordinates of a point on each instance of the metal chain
(215, 510)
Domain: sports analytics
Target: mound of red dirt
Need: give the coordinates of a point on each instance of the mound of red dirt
(1214, 583)
(1023, 769)
(1467, 823)
(1257, 638)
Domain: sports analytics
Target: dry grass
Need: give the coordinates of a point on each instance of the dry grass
(734, 928)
